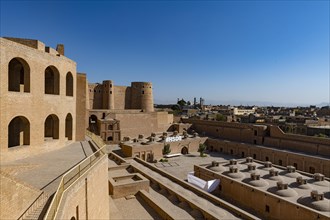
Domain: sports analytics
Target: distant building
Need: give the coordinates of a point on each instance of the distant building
(119, 111)
(243, 111)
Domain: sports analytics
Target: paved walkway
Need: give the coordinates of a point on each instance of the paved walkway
(44, 171)
(185, 163)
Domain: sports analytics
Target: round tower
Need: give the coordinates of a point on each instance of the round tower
(108, 96)
(142, 97)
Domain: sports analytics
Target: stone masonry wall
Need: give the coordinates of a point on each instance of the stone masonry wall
(35, 105)
(88, 196)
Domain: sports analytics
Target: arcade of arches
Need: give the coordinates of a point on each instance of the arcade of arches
(19, 129)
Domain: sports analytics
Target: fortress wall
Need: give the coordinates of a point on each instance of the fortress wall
(133, 124)
(88, 196)
(108, 96)
(95, 96)
(121, 97)
(164, 120)
(141, 96)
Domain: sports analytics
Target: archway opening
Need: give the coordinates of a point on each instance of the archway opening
(18, 132)
(18, 75)
(68, 126)
(52, 127)
(93, 124)
(52, 81)
(69, 84)
(184, 151)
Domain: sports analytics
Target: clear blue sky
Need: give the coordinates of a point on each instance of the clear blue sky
(274, 51)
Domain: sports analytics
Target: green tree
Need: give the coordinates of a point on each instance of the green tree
(201, 150)
(166, 149)
(220, 117)
(182, 102)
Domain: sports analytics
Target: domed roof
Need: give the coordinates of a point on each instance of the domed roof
(320, 205)
(258, 183)
(216, 168)
(322, 183)
(292, 175)
(301, 186)
(237, 175)
(286, 192)
(276, 178)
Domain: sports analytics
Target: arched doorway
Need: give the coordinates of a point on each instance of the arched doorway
(184, 151)
(18, 75)
(18, 132)
(52, 127)
(68, 126)
(93, 124)
(52, 81)
(69, 84)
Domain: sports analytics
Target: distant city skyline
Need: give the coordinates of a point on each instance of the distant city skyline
(224, 51)
(245, 103)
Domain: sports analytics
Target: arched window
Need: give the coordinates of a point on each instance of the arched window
(18, 132)
(68, 126)
(52, 127)
(52, 81)
(18, 75)
(69, 84)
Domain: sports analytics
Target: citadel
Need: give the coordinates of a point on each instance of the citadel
(71, 149)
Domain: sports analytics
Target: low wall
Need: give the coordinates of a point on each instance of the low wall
(127, 185)
(87, 197)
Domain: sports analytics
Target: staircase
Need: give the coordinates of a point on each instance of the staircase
(37, 208)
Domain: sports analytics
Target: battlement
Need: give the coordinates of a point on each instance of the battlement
(36, 44)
